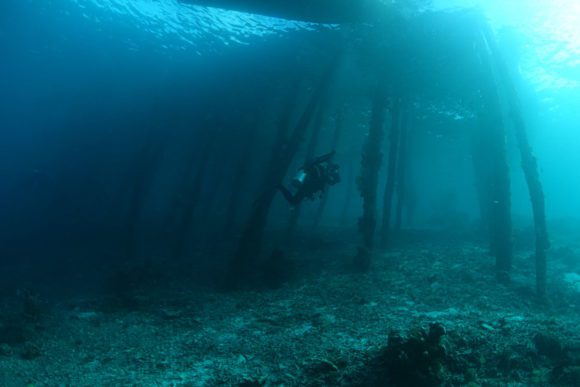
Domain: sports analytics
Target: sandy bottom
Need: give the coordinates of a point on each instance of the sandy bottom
(326, 328)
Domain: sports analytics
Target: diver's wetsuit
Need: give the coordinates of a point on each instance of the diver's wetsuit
(315, 178)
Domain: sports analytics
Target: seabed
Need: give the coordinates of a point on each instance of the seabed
(326, 327)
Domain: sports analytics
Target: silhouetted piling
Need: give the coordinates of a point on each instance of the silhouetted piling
(528, 160)
(241, 268)
(394, 134)
(189, 196)
(369, 177)
(349, 192)
(335, 139)
(140, 185)
(500, 215)
(242, 169)
(401, 187)
(481, 169)
(310, 152)
(500, 222)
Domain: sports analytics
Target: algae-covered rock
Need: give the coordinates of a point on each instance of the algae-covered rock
(548, 346)
(416, 360)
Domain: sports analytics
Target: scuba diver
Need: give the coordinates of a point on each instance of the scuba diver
(312, 178)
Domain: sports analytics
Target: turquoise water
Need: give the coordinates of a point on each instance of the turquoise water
(145, 151)
(545, 35)
(176, 26)
(540, 39)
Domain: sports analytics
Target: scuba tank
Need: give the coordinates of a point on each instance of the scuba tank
(299, 179)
